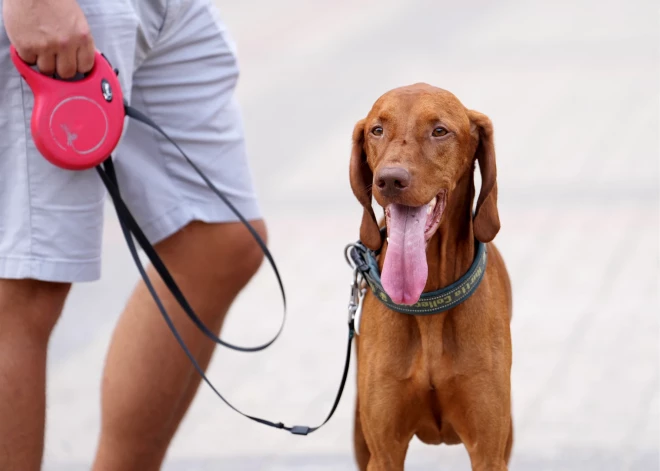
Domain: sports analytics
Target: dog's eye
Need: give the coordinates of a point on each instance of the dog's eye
(439, 132)
(377, 131)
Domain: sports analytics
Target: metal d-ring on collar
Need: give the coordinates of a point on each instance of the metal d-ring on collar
(365, 265)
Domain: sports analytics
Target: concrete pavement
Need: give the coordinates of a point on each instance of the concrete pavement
(573, 92)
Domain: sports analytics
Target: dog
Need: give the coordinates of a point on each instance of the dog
(445, 378)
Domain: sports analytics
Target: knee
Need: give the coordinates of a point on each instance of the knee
(205, 256)
(31, 307)
(247, 254)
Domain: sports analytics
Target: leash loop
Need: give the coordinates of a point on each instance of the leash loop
(131, 229)
(347, 255)
(356, 256)
(160, 266)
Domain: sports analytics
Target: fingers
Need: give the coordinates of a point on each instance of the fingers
(28, 56)
(76, 59)
(45, 63)
(85, 55)
(54, 35)
(66, 62)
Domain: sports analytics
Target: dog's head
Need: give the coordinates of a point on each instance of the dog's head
(409, 153)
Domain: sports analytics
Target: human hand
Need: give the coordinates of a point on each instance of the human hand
(53, 34)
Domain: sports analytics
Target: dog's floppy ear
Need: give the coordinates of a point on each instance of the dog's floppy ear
(486, 219)
(361, 178)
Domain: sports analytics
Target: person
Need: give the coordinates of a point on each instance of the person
(177, 63)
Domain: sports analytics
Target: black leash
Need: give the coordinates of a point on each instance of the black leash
(130, 229)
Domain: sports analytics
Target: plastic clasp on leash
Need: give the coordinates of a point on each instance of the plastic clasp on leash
(76, 124)
(300, 429)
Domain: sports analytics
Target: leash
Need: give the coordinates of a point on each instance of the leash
(131, 228)
(107, 174)
(76, 125)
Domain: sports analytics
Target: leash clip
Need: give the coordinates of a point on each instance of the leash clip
(354, 255)
(357, 294)
(354, 299)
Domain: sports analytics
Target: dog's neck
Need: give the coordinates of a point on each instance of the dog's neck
(450, 252)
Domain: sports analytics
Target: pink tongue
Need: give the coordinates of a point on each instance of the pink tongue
(405, 269)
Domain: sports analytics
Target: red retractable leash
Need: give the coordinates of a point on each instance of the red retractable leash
(76, 125)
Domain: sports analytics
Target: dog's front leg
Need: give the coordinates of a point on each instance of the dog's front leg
(386, 420)
(360, 447)
(482, 419)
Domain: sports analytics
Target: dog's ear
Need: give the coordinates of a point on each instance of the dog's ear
(361, 178)
(486, 219)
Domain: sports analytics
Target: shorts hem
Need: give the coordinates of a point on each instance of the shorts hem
(75, 271)
(57, 271)
(180, 216)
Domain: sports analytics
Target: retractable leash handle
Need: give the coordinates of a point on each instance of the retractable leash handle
(76, 125)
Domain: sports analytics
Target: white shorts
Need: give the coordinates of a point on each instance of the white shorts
(177, 64)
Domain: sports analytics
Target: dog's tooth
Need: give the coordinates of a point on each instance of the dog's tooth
(432, 205)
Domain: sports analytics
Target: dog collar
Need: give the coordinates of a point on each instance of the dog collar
(433, 302)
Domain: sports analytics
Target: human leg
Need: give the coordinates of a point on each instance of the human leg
(148, 380)
(51, 222)
(29, 310)
(186, 85)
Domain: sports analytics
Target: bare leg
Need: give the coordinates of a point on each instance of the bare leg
(29, 310)
(204, 358)
(143, 402)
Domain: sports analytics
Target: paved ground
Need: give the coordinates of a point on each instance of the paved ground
(573, 90)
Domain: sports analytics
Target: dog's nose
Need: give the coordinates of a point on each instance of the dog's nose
(392, 180)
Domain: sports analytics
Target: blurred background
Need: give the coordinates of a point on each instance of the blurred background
(573, 91)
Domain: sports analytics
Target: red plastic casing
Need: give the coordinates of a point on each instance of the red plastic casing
(75, 124)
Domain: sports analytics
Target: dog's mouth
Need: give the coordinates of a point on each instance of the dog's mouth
(409, 228)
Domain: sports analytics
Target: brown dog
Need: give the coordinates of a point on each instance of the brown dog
(445, 377)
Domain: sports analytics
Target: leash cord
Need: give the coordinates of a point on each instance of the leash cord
(164, 273)
(130, 226)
